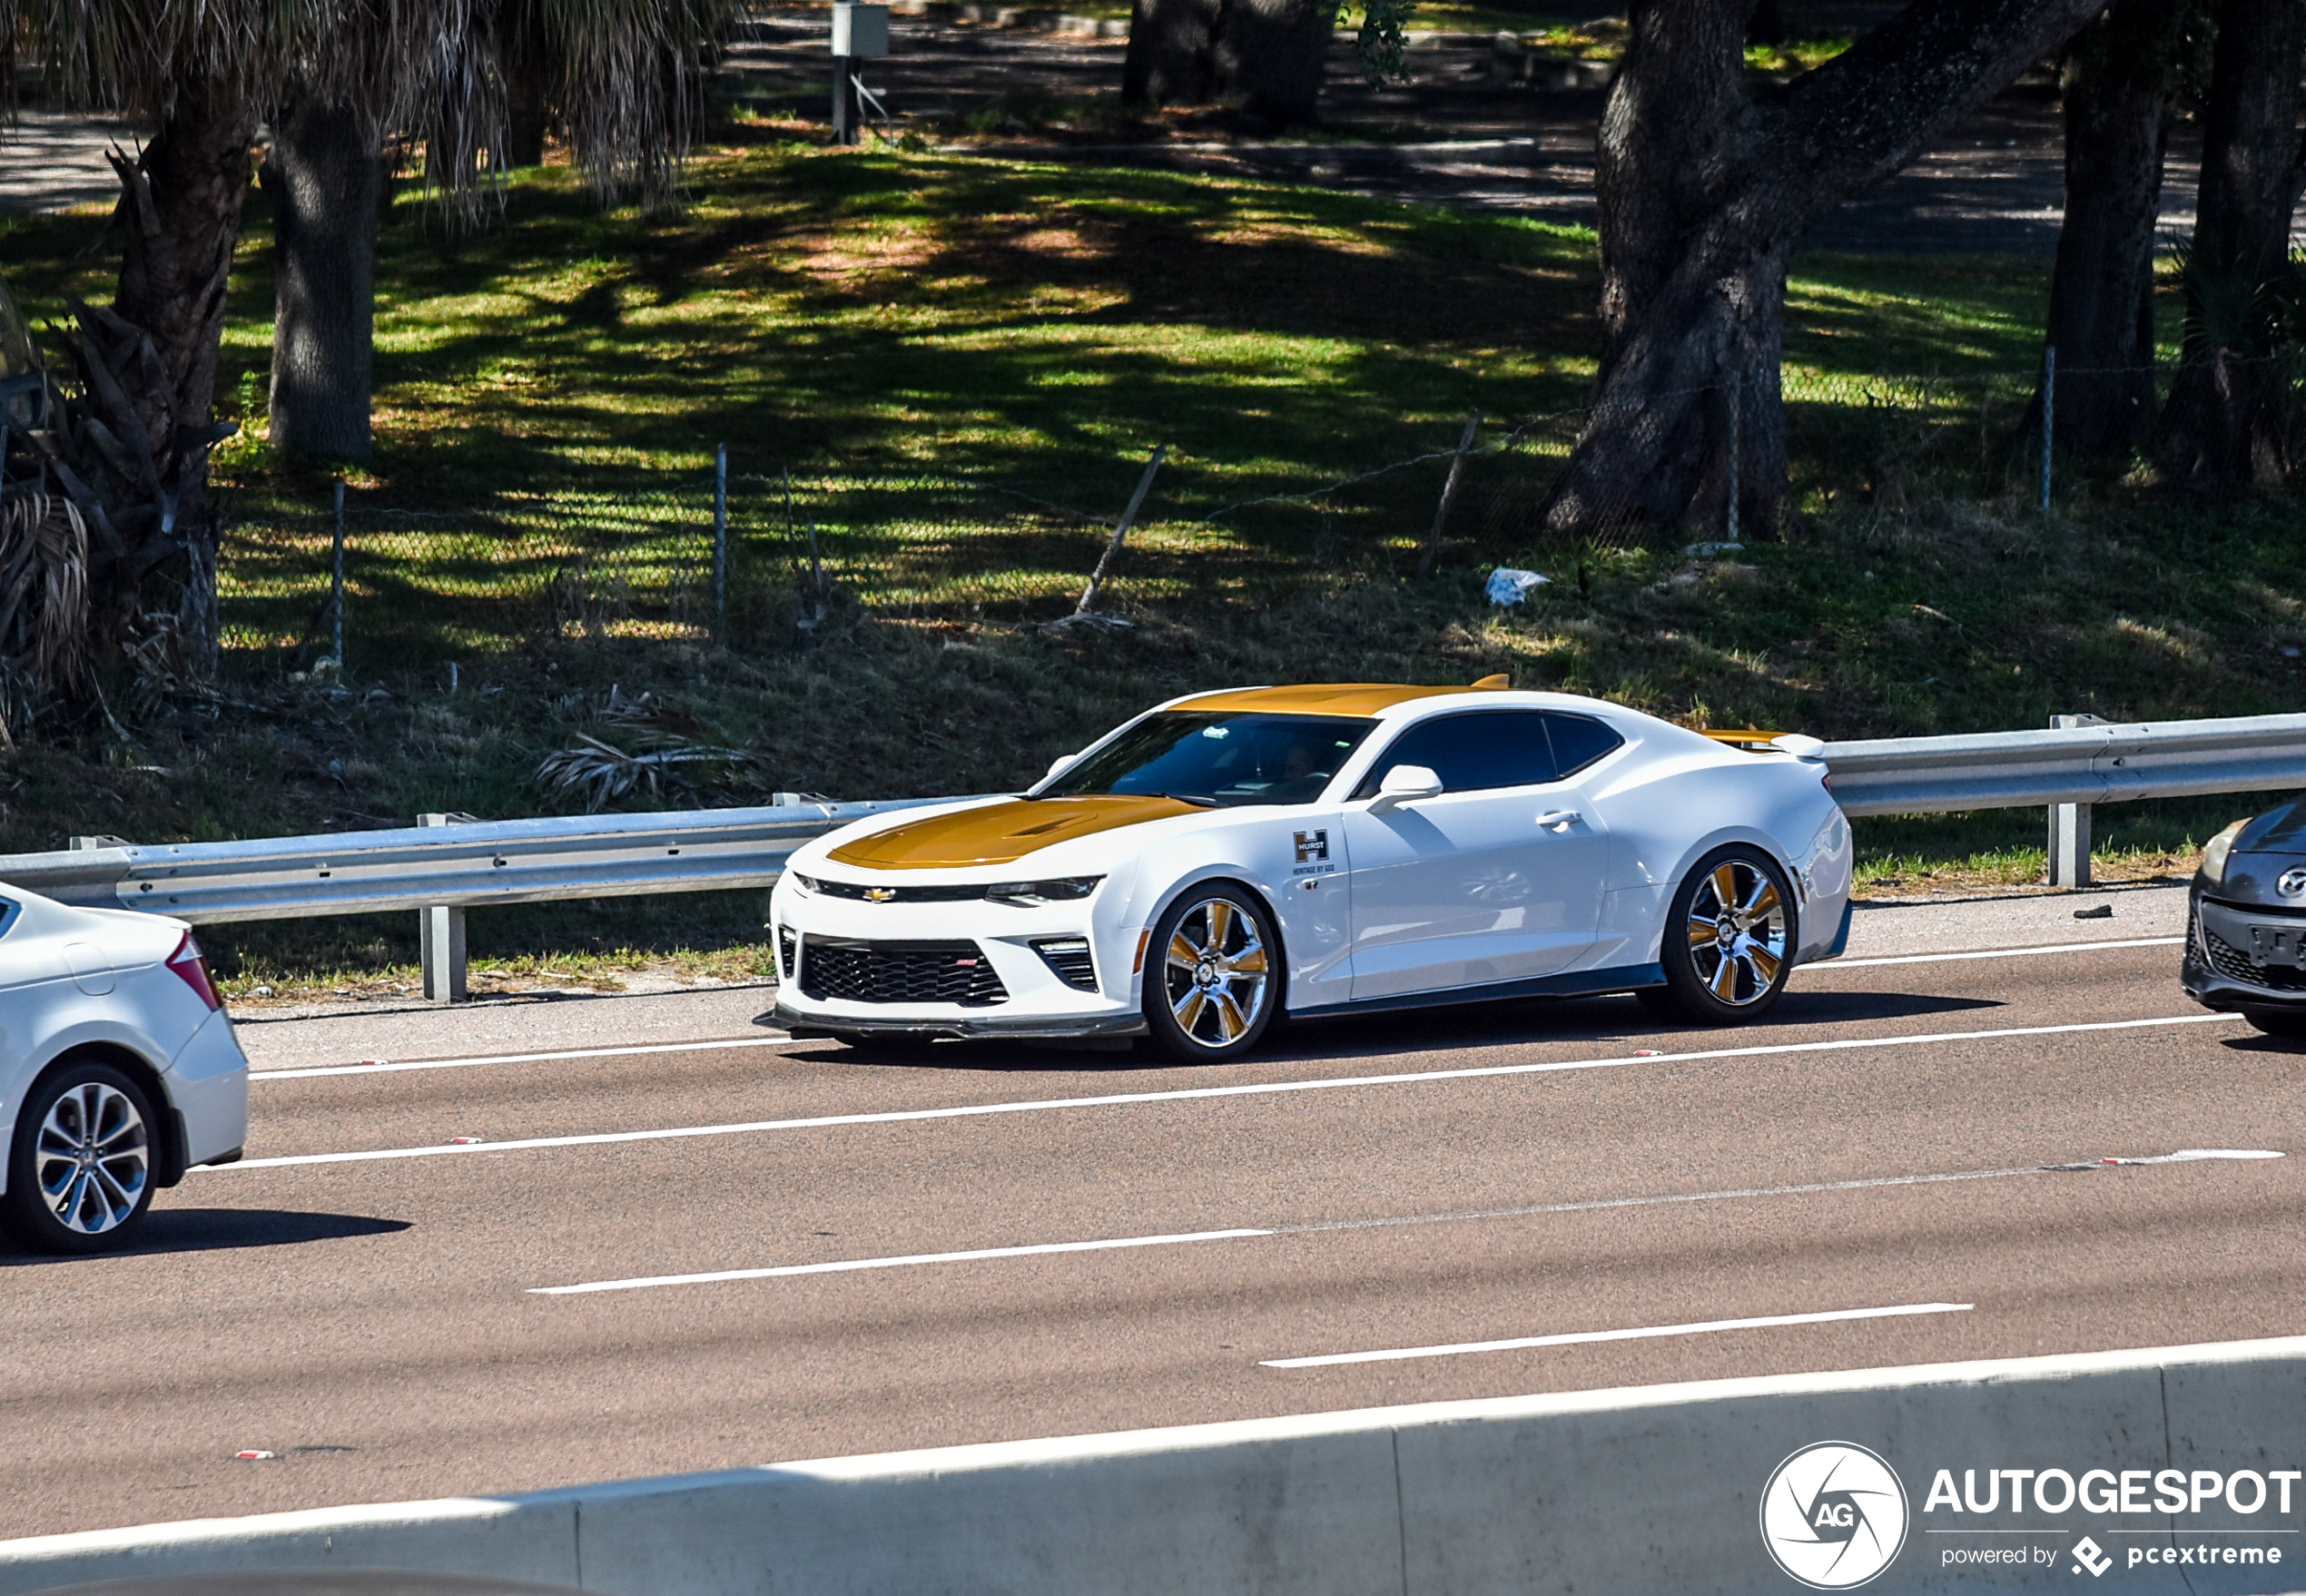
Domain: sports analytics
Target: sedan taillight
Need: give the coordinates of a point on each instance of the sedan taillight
(187, 962)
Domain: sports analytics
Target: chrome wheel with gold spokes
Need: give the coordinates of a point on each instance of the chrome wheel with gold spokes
(1212, 994)
(1727, 943)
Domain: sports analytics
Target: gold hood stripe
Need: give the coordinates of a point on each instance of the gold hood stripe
(999, 833)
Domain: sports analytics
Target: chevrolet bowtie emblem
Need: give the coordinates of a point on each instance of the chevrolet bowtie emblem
(879, 894)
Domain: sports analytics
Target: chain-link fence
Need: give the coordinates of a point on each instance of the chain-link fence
(748, 556)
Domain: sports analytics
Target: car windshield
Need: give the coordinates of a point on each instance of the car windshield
(1213, 757)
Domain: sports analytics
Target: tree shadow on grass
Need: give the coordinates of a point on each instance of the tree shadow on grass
(202, 1230)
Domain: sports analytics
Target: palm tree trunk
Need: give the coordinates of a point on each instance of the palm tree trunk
(326, 177)
(181, 215)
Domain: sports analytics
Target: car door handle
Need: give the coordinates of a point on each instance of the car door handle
(1560, 819)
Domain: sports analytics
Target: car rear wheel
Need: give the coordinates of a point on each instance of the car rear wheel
(80, 1173)
(1214, 982)
(1729, 939)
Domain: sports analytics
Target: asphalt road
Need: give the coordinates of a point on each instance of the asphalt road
(1390, 1186)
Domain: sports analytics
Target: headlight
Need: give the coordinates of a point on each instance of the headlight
(1032, 894)
(801, 882)
(2214, 854)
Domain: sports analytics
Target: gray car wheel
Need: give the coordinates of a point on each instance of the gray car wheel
(80, 1173)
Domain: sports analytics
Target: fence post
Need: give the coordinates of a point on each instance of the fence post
(1449, 493)
(721, 544)
(2049, 415)
(336, 586)
(440, 935)
(1729, 527)
(2070, 824)
(1120, 530)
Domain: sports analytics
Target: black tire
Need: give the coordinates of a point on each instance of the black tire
(82, 1184)
(1235, 970)
(2280, 1023)
(1729, 975)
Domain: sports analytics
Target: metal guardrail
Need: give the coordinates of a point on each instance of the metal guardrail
(2086, 761)
(445, 869)
(441, 868)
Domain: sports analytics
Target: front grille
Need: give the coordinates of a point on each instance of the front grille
(837, 970)
(1069, 957)
(858, 892)
(2234, 965)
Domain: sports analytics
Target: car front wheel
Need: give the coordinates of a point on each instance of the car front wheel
(80, 1173)
(1214, 982)
(1727, 946)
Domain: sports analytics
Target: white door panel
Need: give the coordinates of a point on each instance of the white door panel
(1469, 888)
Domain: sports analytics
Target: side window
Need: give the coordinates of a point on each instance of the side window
(1469, 752)
(7, 915)
(1578, 741)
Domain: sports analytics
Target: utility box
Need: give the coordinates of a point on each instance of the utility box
(860, 30)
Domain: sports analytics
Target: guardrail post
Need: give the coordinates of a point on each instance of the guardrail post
(2070, 824)
(440, 933)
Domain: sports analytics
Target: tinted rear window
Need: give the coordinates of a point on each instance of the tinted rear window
(1579, 740)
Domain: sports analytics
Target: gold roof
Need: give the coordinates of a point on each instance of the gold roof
(1362, 698)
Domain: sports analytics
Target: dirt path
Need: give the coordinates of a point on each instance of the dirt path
(52, 160)
(1452, 135)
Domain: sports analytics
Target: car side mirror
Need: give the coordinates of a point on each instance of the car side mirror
(1060, 765)
(1404, 784)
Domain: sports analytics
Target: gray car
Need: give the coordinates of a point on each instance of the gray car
(2246, 923)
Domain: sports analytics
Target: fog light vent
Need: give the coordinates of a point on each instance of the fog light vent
(1070, 957)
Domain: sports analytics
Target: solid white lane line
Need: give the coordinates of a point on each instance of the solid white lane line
(1997, 953)
(844, 1266)
(1588, 1205)
(394, 1066)
(1203, 1093)
(1581, 1337)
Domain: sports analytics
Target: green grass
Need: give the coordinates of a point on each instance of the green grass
(873, 321)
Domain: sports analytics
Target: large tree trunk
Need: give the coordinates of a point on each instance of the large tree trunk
(1264, 56)
(2116, 87)
(1702, 188)
(2219, 429)
(527, 106)
(326, 177)
(180, 214)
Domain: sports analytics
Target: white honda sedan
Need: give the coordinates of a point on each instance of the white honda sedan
(1230, 858)
(119, 1069)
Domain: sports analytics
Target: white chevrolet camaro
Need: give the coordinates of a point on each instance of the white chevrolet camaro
(1230, 858)
(119, 1069)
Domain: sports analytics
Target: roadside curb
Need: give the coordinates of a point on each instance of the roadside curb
(1621, 1492)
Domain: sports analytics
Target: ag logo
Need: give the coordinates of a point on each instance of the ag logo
(1833, 1516)
(1312, 845)
(2292, 882)
(879, 894)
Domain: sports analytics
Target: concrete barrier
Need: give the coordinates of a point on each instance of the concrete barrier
(1655, 1491)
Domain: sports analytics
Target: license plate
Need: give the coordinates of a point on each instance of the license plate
(2276, 944)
